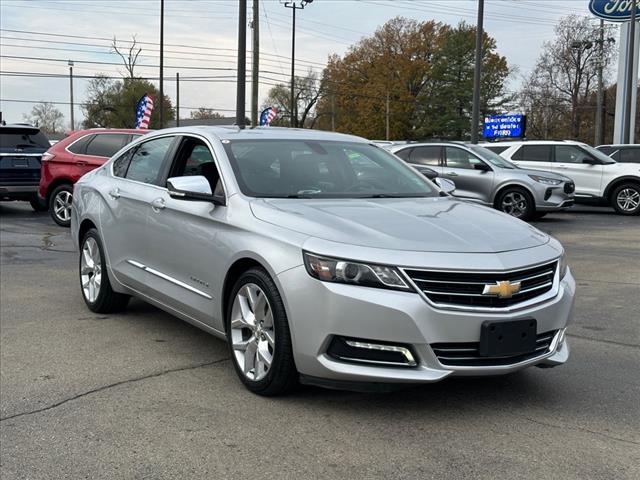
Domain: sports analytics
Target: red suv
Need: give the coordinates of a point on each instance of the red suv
(71, 158)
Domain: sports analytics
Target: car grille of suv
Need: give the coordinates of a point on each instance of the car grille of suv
(569, 187)
(465, 289)
(467, 354)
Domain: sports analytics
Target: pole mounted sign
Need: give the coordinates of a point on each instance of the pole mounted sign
(504, 126)
(613, 10)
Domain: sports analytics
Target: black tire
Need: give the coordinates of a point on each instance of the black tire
(526, 206)
(61, 191)
(107, 300)
(538, 215)
(630, 191)
(282, 375)
(36, 205)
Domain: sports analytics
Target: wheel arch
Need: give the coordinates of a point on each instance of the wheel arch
(55, 184)
(85, 226)
(617, 182)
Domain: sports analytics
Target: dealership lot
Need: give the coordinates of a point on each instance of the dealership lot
(144, 395)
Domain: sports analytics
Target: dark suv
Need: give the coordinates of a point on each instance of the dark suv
(21, 149)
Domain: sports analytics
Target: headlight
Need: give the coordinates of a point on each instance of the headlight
(545, 180)
(563, 265)
(354, 273)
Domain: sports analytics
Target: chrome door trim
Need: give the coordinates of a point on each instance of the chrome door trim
(169, 279)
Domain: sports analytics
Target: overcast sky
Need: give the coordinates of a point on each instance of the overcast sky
(201, 38)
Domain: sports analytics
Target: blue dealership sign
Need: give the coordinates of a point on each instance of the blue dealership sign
(613, 10)
(505, 126)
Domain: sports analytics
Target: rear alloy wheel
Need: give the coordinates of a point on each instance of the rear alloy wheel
(60, 205)
(94, 280)
(258, 335)
(516, 202)
(626, 199)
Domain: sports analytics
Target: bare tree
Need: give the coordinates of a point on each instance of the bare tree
(308, 90)
(45, 116)
(129, 56)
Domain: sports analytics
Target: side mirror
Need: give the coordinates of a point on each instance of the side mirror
(591, 161)
(427, 172)
(483, 167)
(193, 187)
(446, 185)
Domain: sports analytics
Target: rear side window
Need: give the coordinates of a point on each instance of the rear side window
(147, 160)
(533, 153)
(629, 155)
(79, 147)
(426, 156)
(106, 144)
(23, 138)
(404, 154)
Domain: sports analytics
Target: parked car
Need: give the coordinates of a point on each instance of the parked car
(21, 149)
(484, 177)
(622, 153)
(69, 159)
(272, 239)
(598, 178)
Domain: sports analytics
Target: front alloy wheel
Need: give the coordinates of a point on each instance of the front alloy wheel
(517, 203)
(252, 332)
(626, 199)
(90, 270)
(60, 207)
(258, 334)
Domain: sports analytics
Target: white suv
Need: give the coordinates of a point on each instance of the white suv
(598, 178)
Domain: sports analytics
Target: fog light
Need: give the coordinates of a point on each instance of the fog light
(363, 351)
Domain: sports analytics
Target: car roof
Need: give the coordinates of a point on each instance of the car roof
(621, 145)
(109, 130)
(531, 142)
(233, 132)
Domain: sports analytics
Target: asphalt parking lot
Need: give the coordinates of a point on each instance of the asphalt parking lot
(143, 395)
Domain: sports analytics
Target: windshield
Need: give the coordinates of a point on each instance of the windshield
(598, 154)
(22, 138)
(322, 169)
(491, 157)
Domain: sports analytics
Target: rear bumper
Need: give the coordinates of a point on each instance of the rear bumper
(18, 192)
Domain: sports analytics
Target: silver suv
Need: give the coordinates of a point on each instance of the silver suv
(483, 176)
(319, 257)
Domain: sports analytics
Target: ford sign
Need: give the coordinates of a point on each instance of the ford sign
(614, 10)
(504, 126)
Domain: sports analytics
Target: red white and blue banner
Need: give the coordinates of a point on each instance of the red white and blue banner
(267, 116)
(143, 111)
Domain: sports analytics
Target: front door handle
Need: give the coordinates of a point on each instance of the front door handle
(115, 193)
(562, 168)
(452, 174)
(158, 204)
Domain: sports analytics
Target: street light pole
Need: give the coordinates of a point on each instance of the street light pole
(631, 82)
(255, 65)
(599, 137)
(71, 94)
(242, 64)
(475, 115)
(294, 6)
(161, 100)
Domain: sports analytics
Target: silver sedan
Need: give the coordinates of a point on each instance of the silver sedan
(320, 258)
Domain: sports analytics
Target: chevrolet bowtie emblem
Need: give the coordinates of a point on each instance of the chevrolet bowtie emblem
(502, 289)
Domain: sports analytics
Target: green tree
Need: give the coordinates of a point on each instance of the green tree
(417, 76)
(112, 103)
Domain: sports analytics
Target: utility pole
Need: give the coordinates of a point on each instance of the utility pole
(475, 115)
(631, 82)
(294, 6)
(255, 66)
(599, 133)
(161, 100)
(242, 64)
(177, 99)
(387, 118)
(333, 112)
(73, 127)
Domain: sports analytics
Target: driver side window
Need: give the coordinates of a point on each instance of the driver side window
(459, 158)
(569, 154)
(195, 158)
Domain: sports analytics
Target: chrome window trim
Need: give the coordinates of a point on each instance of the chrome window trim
(551, 294)
(169, 278)
(18, 154)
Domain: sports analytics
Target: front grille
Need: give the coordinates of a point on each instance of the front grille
(569, 187)
(465, 289)
(467, 354)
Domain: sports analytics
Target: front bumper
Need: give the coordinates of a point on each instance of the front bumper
(320, 311)
(552, 198)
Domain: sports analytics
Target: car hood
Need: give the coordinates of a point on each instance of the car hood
(440, 224)
(543, 173)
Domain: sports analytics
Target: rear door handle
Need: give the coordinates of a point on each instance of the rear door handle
(115, 193)
(81, 163)
(562, 168)
(158, 204)
(452, 174)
